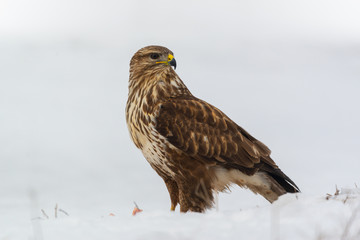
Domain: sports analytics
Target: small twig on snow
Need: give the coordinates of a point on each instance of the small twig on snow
(56, 210)
(328, 196)
(63, 211)
(136, 209)
(337, 191)
(44, 213)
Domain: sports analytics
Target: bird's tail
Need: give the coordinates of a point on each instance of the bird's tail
(274, 183)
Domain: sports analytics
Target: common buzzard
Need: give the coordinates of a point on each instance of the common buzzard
(192, 145)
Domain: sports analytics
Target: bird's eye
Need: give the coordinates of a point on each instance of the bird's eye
(154, 56)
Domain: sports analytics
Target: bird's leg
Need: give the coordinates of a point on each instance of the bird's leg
(188, 203)
(183, 200)
(173, 191)
(195, 196)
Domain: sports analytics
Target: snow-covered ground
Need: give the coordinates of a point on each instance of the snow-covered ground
(287, 72)
(300, 216)
(291, 217)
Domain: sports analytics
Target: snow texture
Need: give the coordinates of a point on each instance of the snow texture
(293, 216)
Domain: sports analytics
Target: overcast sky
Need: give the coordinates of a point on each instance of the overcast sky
(125, 22)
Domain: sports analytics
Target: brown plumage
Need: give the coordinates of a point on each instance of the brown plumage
(191, 144)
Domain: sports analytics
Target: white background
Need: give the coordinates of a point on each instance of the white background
(286, 71)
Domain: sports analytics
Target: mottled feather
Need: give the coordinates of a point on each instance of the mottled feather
(191, 144)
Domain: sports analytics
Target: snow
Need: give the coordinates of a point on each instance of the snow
(288, 72)
(293, 216)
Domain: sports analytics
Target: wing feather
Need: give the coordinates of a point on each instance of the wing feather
(203, 131)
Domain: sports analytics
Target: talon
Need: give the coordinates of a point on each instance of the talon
(172, 207)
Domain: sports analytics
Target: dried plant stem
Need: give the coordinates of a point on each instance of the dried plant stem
(44, 213)
(63, 211)
(56, 210)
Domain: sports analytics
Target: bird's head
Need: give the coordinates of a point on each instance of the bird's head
(153, 57)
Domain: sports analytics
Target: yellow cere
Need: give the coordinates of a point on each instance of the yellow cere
(170, 57)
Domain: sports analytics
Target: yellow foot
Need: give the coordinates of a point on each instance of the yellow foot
(172, 207)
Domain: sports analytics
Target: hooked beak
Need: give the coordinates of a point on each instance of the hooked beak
(172, 61)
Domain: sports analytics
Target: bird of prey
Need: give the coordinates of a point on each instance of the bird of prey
(193, 146)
